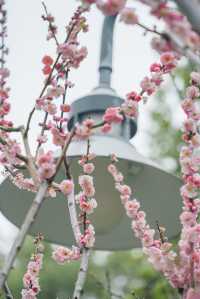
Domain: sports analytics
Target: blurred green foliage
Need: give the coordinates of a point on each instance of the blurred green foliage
(125, 275)
(165, 137)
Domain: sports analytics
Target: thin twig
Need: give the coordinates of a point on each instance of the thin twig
(178, 91)
(41, 94)
(62, 157)
(64, 95)
(101, 124)
(177, 43)
(30, 165)
(48, 80)
(42, 133)
(50, 23)
(19, 156)
(8, 129)
(147, 29)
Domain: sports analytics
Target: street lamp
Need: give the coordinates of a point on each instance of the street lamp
(157, 190)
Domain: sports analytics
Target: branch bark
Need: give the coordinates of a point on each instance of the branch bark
(28, 221)
(78, 290)
(30, 165)
(73, 217)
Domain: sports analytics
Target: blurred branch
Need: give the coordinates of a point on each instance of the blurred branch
(101, 285)
(178, 90)
(191, 8)
(178, 44)
(7, 291)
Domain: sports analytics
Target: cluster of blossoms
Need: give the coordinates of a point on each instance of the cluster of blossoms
(149, 85)
(71, 54)
(10, 149)
(108, 7)
(31, 277)
(84, 130)
(182, 269)
(66, 187)
(86, 204)
(176, 22)
(62, 254)
(86, 201)
(46, 165)
(52, 28)
(189, 244)
(4, 72)
(56, 83)
(56, 71)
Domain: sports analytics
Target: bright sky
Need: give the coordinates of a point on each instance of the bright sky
(27, 43)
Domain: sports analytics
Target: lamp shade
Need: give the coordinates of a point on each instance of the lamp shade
(157, 190)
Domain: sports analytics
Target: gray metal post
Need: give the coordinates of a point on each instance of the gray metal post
(105, 67)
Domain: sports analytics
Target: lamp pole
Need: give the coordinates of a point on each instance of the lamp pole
(106, 54)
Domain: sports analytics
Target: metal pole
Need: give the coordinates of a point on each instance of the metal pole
(105, 66)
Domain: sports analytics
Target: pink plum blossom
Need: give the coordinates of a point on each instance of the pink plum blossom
(86, 183)
(87, 206)
(195, 78)
(63, 254)
(193, 294)
(148, 86)
(128, 16)
(130, 108)
(47, 60)
(106, 128)
(66, 186)
(88, 168)
(192, 92)
(110, 7)
(46, 165)
(113, 114)
(88, 238)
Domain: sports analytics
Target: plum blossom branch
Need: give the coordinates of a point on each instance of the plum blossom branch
(78, 291)
(87, 205)
(19, 156)
(52, 27)
(184, 274)
(31, 277)
(62, 156)
(77, 24)
(30, 161)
